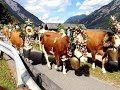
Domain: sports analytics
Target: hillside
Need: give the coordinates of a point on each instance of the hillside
(5, 16)
(75, 19)
(16, 10)
(100, 17)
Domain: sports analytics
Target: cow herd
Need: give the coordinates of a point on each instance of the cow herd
(95, 42)
(60, 45)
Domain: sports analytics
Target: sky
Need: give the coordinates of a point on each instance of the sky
(58, 11)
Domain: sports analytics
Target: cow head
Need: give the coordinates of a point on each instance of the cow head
(116, 36)
(116, 40)
(112, 40)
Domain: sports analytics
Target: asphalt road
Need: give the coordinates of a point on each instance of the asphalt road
(73, 80)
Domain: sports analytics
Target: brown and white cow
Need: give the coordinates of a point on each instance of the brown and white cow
(56, 44)
(16, 40)
(96, 42)
(6, 32)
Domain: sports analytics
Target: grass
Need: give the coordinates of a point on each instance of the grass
(5, 76)
(112, 78)
(36, 46)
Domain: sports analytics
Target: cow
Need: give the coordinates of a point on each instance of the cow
(97, 42)
(16, 40)
(57, 44)
(6, 32)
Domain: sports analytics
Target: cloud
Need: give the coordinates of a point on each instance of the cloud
(93, 4)
(78, 4)
(89, 6)
(45, 8)
(80, 13)
(87, 12)
(56, 19)
(44, 17)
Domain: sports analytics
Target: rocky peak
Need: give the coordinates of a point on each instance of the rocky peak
(20, 13)
(100, 18)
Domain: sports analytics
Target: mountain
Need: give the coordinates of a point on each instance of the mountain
(5, 16)
(75, 19)
(16, 10)
(100, 18)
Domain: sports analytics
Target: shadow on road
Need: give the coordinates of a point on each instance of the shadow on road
(110, 66)
(38, 58)
(83, 70)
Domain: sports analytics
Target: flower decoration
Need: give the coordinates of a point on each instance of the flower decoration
(29, 30)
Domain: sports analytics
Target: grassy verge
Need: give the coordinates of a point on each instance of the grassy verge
(36, 46)
(5, 76)
(112, 78)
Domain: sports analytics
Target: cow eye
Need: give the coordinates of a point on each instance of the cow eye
(115, 37)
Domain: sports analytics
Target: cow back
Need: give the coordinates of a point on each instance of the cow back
(5, 31)
(94, 39)
(16, 40)
(55, 42)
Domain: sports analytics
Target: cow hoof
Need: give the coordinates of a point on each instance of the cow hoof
(27, 60)
(103, 70)
(56, 67)
(64, 72)
(49, 68)
(65, 75)
(93, 66)
(31, 61)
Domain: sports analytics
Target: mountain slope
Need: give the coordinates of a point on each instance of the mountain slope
(75, 19)
(19, 12)
(5, 16)
(100, 17)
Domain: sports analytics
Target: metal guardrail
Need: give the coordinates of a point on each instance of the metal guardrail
(23, 76)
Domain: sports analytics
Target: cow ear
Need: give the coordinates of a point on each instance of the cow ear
(110, 33)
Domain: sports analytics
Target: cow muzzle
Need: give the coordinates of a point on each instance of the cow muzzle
(113, 54)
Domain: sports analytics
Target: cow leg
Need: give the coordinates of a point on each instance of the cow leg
(40, 45)
(57, 58)
(64, 70)
(46, 57)
(93, 59)
(103, 63)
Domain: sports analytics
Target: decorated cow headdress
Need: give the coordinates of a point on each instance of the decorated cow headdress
(29, 27)
(115, 24)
